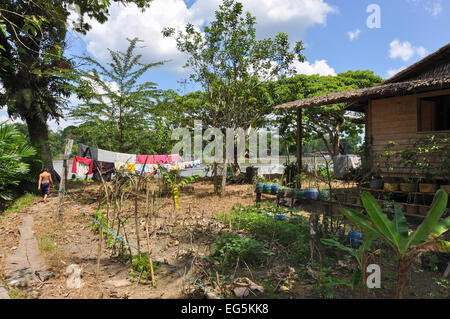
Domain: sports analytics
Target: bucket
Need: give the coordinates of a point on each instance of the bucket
(267, 188)
(355, 239)
(280, 217)
(259, 187)
(311, 193)
(275, 188)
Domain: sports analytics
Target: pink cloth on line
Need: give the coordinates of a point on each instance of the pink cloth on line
(174, 158)
(161, 159)
(140, 159)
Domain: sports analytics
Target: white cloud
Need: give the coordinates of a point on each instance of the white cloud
(6, 118)
(433, 7)
(392, 72)
(320, 67)
(293, 17)
(405, 50)
(354, 34)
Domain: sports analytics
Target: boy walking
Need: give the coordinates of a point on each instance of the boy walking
(45, 181)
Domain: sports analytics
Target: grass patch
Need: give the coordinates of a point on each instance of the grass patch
(21, 203)
(261, 223)
(230, 247)
(46, 243)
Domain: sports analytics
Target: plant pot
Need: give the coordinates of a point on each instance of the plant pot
(311, 193)
(275, 188)
(427, 188)
(391, 187)
(376, 184)
(259, 187)
(423, 210)
(267, 188)
(446, 188)
(407, 187)
(412, 209)
(355, 239)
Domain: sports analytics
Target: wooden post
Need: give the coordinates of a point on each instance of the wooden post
(99, 253)
(62, 185)
(299, 141)
(149, 251)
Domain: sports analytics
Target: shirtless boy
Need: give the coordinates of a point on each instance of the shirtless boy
(45, 181)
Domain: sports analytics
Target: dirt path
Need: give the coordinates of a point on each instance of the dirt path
(22, 267)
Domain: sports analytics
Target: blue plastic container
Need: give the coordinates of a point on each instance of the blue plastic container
(267, 188)
(280, 217)
(355, 239)
(311, 193)
(275, 189)
(259, 187)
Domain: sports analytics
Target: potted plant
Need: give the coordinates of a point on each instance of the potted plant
(445, 164)
(390, 183)
(426, 149)
(408, 160)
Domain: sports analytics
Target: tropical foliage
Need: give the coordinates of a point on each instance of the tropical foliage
(396, 234)
(14, 149)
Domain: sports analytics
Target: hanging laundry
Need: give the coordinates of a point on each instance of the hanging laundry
(119, 166)
(142, 169)
(125, 158)
(153, 169)
(102, 170)
(160, 159)
(131, 168)
(82, 165)
(145, 159)
(166, 167)
(87, 151)
(174, 158)
(106, 156)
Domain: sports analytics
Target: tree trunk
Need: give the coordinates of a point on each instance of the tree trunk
(403, 266)
(38, 132)
(224, 177)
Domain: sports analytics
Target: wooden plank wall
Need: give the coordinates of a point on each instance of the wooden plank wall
(395, 119)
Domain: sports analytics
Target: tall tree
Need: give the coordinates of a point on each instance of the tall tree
(329, 123)
(229, 63)
(113, 98)
(32, 43)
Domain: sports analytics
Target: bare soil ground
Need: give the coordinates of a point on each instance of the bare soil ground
(180, 241)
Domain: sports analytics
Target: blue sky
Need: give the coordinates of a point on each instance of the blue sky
(335, 34)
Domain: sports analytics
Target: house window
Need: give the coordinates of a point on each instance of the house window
(434, 113)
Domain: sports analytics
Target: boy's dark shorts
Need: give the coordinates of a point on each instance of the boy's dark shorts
(45, 188)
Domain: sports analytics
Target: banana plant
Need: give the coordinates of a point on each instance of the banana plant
(396, 234)
(175, 186)
(359, 254)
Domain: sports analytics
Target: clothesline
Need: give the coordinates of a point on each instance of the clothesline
(103, 163)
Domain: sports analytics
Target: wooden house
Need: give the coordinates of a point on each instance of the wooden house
(410, 105)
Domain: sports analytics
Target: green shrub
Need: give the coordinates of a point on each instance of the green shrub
(259, 222)
(140, 265)
(229, 247)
